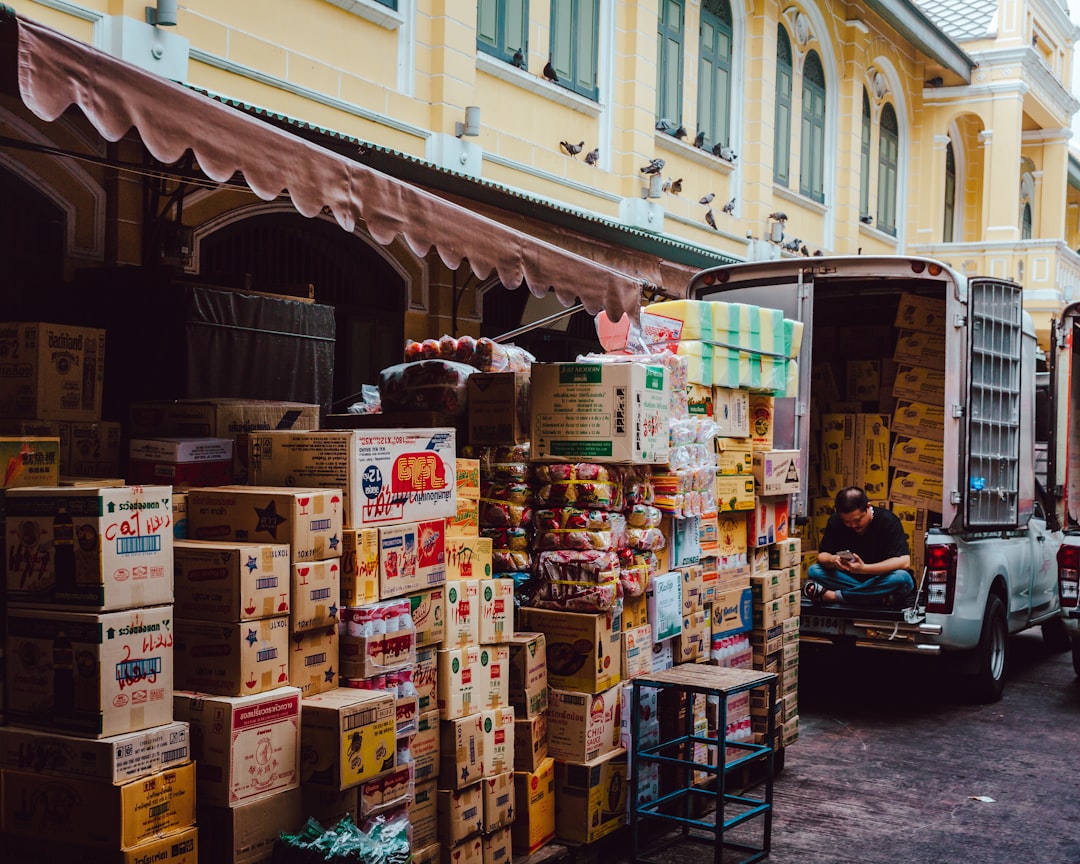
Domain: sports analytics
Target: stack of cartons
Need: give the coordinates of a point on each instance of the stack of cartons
(89, 657)
(534, 769)
(233, 671)
(181, 461)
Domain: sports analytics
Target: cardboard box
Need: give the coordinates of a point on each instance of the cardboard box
(528, 677)
(664, 598)
(496, 612)
(330, 806)
(179, 514)
(461, 751)
(534, 819)
(731, 412)
(761, 421)
(734, 456)
(431, 854)
(693, 644)
(683, 546)
(776, 472)
(837, 455)
(786, 553)
(918, 490)
(919, 419)
(469, 851)
(247, 833)
(176, 461)
(732, 612)
(497, 846)
(100, 815)
(116, 759)
(389, 792)
(90, 548)
(89, 448)
(461, 813)
(863, 380)
(768, 522)
(592, 797)
(459, 675)
(920, 455)
(915, 521)
(316, 594)
(466, 519)
(412, 557)
(499, 407)
(90, 674)
(309, 520)
(246, 747)
(635, 611)
(609, 412)
(530, 742)
(462, 613)
(386, 476)
(467, 557)
(916, 348)
(347, 737)
(734, 493)
(731, 545)
(920, 312)
(920, 384)
(637, 652)
(29, 461)
(493, 679)
(429, 615)
(584, 651)
(498, 726)
(314, 660)
(359, 566)
(425, 747)
(232, 659)
(769, 585)
(468, 477)
(231, 581)
(51, 371)
(582, 726)
(498, 802)
(424, 815)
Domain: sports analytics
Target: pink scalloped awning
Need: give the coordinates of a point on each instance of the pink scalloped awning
(56, 72)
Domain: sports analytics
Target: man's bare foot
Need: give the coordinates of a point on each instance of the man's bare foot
(829, 596)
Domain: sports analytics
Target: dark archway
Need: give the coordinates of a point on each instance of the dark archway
(31, 241)
(285, 252)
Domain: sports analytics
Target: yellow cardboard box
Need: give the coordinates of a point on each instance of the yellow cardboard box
(734, 493)
(919, 419)
(872, 453)
(734, 456)
(920, 384)
(918, 454)
(583, 726)
(359, 566)
(347, 736)
(584, 651)
(920, 490)
(534, 821)
(592, 797)
(467, 557)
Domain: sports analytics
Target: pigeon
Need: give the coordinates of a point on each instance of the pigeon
(793, 245)
(571, 149)
(710, 219)
(592, 156)
(680, 133)
(655, 166)
(699, 140)
(727, 154)
(729, 208)
(778, 216)
(707, 199)
(804, 251)
(818, 253)
(676, 186)
(716, 149)
(519, 60)
(867, 219)
(666, 187)
(666, 126)
(549, 73)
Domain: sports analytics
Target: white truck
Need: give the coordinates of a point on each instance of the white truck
(986, 547)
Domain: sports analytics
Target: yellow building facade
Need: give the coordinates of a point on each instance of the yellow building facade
(938, 129)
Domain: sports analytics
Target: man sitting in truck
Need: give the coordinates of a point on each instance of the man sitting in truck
(863, 558)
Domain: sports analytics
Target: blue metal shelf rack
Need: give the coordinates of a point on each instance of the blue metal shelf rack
(674, 806)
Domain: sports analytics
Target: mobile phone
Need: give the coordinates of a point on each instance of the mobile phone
(846, 555)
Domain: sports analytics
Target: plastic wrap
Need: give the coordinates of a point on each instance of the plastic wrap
(637, 485)
(677, 370)
(427, 385)
(386, 841)
(570, 528)
(577, 581)
(502, 463)
(483, 354)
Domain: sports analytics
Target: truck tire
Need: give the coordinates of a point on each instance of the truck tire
(1056, 636)
(988, 682)
(1076, 656)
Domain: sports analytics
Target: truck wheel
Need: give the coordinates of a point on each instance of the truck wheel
(1056, 636)
(988, 682)
(1076, 656)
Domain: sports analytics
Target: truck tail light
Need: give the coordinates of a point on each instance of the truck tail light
(1068, 561)
(940, 577)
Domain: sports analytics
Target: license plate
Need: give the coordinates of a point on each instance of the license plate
(819, 624)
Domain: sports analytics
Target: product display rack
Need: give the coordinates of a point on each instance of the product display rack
(678, 751)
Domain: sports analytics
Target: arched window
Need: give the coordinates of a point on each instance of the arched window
(950, 194)
(782, 124)
(812, 139)
(864, 158)
(714, 73)
(1025, 223)
(669, 61)
(888, 157)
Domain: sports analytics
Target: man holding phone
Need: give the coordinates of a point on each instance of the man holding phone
(863, 558)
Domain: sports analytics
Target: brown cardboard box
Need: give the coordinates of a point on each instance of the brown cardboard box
(176, 847)
(591, 796)
(461, 752)
(530, 742)
(89, 448)
(329, 806)
(90, 674)
(583, 726)
(231, 581)
(458, 680)
(98, 814)
(316, 595)
(761, 421)
(246, 834)
(124, 554)
(359, 566)
(496, 612)
(534, 819)
(51, 371)
(309, 520)
(424, 815)
(238, 659)
(734, 456)
(246, 747)
(461, 813)
(314, 660)
(425, 748)
(425, 678)
(637, 652)
(776, 472)
(584, 651)
(497, 847)
(431, 854)
(428, 610)
(498, 801)
(462, 613)
(498, 728)
(528, 684)
(499, 407)
(469, 851)
(347, 737)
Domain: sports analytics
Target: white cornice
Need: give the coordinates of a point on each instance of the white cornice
(1046, 136)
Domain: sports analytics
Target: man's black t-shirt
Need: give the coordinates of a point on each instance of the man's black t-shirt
(883, 538)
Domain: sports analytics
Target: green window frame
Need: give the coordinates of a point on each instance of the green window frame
(714, 73)
(888, 173)
(502, 28)
(782, 111)
(1025, 222)
(812, 140)
(390, 4)
(950, 194)
(575, 44)
(864, 158)
(669, 60)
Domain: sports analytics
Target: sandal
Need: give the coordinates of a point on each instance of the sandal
(813, 591)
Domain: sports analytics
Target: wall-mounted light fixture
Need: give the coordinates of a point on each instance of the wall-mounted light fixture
(471, 126)
(162, 15)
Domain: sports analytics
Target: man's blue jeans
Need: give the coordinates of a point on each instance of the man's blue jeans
(897, 584)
